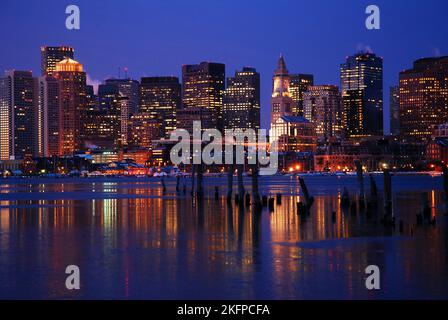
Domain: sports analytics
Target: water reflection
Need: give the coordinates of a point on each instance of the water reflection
(155, 245)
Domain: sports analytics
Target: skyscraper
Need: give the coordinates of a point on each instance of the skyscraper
(52, 55)
(72, 104)
(102, 124)
(299, 84)
(129, 92)
(48, 116)
(17, 115)
(394, 108)
(322, 106)
(423, 97)
(241, 103)
(203, 87)
(362, 95)
(160, 97)
(281, 102)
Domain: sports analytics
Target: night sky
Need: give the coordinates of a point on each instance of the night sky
(155, 37)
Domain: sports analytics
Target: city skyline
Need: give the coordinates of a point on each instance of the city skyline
(164, 52)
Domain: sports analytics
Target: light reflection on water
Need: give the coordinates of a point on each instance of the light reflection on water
(132, 241)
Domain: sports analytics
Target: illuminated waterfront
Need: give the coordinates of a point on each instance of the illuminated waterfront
(132, 241)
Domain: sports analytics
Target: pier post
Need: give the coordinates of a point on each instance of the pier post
(200, 191)
(255, 190)
(388, 216)
(445, 187)
(230, 171)
(240, 183)
(360, 175)
(309, 200)
(193, 172)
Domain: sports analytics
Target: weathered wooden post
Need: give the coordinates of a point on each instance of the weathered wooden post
(309, 200)
(200, 191)
(445, 187)
(388, 216)
(241, 190)
(345, 199)
(230, 172)
(255, 190)
(360, 175)
(193, 173)
(163, 185)
(426, 207)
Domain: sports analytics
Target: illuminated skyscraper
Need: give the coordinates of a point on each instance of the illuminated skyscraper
(160, 97)
(143, 130)
(362, 95)
(281, 102)
(130, 98)
(72, 105)
(102, 125)
(203, 87)
(241, 106)
(48, 117)
(52, 55)
(17, 115)
(423, 97)
(322, 106)
(299, 84)
(394, 108)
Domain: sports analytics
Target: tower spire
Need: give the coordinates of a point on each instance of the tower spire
(281, 66)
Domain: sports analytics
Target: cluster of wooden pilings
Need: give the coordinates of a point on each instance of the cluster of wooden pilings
(371, 205)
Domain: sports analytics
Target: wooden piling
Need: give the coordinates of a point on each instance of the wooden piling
(216, 193)
(388, 216)
(360, 175)
(230, 172)
(309, 200)
(445, 187)
(200, 190)
(255, 190)
(241, 191)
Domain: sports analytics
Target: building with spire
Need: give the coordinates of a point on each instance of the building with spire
(281, 100)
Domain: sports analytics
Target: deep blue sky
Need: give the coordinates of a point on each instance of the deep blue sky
(155, 37)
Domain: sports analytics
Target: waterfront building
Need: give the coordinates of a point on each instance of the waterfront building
(241, 106)
(281, 102)
(423, 98)
(50, 56)
(322, 106)
(203, 87)
(294, 134)
(161, 98)
(298, 85)
(394, 107)
(72, 104)
(18, 105)
(362, 95)
(129, 92)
